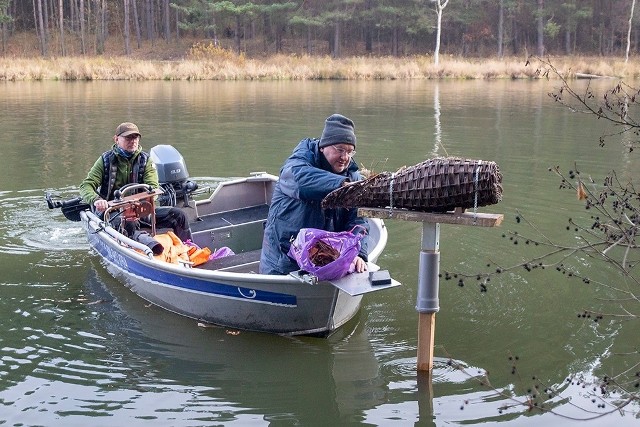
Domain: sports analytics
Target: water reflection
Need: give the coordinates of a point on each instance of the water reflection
(438, 126)
(288, 379)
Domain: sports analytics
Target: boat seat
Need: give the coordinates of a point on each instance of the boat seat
(230, 218)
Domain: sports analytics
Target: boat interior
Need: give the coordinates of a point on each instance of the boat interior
(233, 216)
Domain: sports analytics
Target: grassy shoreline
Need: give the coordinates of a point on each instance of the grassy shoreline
(294, 67)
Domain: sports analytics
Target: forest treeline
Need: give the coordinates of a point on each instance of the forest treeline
(469, 28)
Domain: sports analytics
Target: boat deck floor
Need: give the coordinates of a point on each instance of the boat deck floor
(245, 262)
(242, 262)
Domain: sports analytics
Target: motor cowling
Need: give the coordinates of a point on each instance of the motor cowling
(172, 175)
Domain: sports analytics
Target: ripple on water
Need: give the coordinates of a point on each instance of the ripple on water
(27, 225)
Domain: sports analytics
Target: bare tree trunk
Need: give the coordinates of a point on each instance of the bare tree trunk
(439, 8)
(611, 42)
(336, 40)
(515, 37)
(40, 21)
(73, 10)
(395, 42)
(96, 24)
(45, 18)
(149, 13)
(177, 26)
(103, 24)
(127, 36)
(3, 31)
(540, 27)
(501, 29)
(35, 18)
(278, 34)
(61, 24)
(136, 20)
(626, 56)
(100, 26)
(167, 28)
(368, 30)
(83, 46)
(237, 36)
(87, 14)
(266, 36)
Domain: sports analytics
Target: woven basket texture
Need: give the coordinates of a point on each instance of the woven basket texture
(435, 185)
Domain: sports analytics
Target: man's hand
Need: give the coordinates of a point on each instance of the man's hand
(360, 266)
(101, 205)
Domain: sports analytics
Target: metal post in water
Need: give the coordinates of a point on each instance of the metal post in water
(429, 267)
(428, 303)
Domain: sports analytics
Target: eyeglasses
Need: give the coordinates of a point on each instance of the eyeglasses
(343, 152)
(131, 137)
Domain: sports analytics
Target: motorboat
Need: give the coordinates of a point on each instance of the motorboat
(226, 291)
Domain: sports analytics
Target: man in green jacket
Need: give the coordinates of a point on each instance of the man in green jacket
(126, 163)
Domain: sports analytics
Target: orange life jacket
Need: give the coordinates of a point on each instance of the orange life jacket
(175, 250)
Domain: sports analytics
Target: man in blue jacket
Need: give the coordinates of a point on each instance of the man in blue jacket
(315, 168)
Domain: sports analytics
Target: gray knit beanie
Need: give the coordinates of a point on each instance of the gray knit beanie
(337, 130)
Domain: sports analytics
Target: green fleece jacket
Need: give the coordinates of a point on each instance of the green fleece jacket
(90, 186)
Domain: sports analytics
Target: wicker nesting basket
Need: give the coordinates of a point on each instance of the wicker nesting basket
(435, 185)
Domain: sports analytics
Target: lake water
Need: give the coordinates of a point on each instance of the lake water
(78, 349)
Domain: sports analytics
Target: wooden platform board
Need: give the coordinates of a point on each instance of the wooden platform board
(455, 217)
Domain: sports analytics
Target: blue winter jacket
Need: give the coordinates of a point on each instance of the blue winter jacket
(305, 179)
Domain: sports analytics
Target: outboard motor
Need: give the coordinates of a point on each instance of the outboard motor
(173, 176)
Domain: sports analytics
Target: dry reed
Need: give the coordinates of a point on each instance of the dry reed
(222, 66)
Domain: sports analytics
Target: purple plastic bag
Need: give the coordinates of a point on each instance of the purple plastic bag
(221, 253)
(346, 242)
